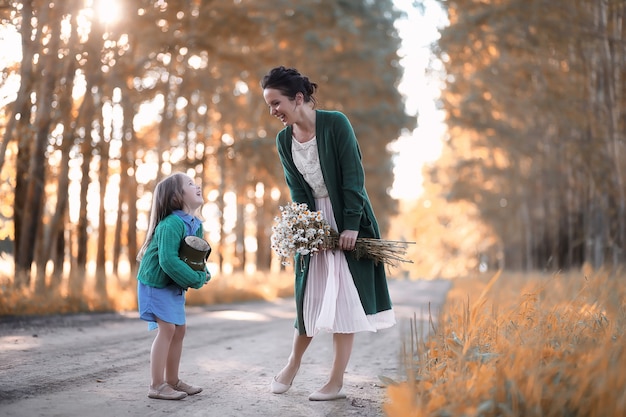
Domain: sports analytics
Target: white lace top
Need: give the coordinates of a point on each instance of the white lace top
(307, 160)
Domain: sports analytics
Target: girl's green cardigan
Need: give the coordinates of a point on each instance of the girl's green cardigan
(161, 265)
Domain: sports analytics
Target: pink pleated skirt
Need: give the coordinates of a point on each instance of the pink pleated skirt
(331, 300)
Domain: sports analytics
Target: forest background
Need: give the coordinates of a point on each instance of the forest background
(96, 110)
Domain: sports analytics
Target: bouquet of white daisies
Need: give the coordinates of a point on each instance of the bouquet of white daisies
(300, 230)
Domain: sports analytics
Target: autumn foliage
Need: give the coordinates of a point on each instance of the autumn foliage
(520, 345)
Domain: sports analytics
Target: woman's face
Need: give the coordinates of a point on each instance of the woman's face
(192, 194)
(280, 106)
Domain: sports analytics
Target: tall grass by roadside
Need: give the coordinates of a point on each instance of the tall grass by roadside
(122, 294)
(520, 346)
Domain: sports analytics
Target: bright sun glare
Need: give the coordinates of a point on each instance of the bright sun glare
(107, 11)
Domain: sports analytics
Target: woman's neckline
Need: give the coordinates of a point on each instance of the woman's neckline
(305, 142)
(309, 134)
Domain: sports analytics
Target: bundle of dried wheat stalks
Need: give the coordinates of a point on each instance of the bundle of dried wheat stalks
(300, 230)
(390, 252)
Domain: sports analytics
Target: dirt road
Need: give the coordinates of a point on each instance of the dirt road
(98, 364)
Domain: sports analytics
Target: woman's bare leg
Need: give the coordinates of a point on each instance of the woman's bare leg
(300, 345)
(342, 343)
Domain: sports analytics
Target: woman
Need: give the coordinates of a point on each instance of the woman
(334, 291)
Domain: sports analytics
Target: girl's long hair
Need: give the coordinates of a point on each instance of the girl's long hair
(167, 197)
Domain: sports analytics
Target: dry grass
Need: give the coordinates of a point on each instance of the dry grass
(122, 294)
(520, 345)
(243, 287)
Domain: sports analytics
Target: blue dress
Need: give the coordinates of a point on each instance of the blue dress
(166, 304)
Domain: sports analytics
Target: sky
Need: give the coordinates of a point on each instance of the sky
(422, 145)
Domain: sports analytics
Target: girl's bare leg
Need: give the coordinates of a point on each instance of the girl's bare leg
(342, 343)
(173, 355)
(300, 344)
(160, 352)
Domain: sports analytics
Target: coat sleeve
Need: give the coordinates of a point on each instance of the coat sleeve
(169, 235)
(352, 176)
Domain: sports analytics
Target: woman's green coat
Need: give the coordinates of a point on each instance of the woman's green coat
(340, 160)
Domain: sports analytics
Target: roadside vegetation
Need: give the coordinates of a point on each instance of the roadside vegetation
(122, 294)
(520, 345)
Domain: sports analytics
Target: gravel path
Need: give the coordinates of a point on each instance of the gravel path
(98, 364)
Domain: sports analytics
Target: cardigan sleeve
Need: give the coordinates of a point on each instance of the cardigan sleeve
(352, 175)
(169, 235)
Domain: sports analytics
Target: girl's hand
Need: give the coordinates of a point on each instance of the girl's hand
(347, 239)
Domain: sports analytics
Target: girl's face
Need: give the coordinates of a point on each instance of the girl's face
(281, 106)
(192, 194)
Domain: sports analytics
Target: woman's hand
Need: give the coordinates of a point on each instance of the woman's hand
(347, 239)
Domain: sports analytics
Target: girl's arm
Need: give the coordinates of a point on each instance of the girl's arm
(169, 235)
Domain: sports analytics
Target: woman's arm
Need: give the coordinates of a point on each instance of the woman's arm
(352, 177)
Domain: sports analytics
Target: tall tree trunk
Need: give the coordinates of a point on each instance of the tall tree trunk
(20, 109)
(264, 221)
(54, 231)
(103, 174)
(221, 163)
(126, 219)
(22, 119)
(86, 122)
(132, 224)
(79, 269)
(31, 221)
(121, 221)
(167, 120)
(239, 260)
(58, 256)
(611, 69)
(131, 191)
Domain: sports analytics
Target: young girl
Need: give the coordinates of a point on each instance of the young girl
(164, 278)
